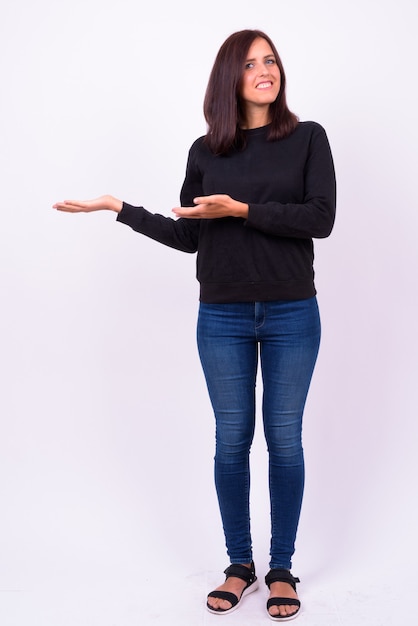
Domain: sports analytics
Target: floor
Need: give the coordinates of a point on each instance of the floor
(336, 600)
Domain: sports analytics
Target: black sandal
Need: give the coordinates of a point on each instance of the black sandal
(282, 576)
(239, 571)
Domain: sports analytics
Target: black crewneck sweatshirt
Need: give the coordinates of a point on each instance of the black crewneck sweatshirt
(290, 188)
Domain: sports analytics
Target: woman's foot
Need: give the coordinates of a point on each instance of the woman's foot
(233, 585)
(283, 603)
(283, 590)
(240, 580)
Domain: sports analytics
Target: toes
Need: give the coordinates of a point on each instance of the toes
(225, 605)
(283, 610)
(217, 603)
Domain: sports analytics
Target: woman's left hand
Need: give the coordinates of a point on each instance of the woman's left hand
(211, 207)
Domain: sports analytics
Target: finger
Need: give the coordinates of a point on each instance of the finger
(204, 200)
(82, 204)
(186, 212)
(185, 209)
(216, 198)
(69, 206)
(67, 209)
(69, 203)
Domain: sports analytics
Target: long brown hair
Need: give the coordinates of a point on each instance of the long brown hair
(223, 108)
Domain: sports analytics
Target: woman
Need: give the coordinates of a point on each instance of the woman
(258, 187)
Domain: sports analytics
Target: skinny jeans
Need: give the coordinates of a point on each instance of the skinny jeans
(232, 339)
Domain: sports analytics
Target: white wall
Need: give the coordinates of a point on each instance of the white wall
(106, 431)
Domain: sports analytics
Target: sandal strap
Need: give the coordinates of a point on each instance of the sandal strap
(283, 602)
(281, 576)
(224, 595)
(241, 571)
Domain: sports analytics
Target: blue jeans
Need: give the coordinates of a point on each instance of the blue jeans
(231, 338)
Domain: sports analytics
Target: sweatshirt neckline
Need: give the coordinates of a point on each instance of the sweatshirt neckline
(260, 130)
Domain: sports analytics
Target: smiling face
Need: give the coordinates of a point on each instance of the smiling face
(260, 84)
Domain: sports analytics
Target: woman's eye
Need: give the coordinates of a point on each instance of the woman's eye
(251, 65)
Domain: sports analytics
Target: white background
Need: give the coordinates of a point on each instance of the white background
(108, 513)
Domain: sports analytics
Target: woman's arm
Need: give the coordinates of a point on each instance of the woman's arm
(313, 217)
(179, 234)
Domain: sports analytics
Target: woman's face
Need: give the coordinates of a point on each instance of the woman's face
(260, 83)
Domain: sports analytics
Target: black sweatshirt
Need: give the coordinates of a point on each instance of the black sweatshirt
(289, 186)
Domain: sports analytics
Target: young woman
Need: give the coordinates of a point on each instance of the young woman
(259, 186)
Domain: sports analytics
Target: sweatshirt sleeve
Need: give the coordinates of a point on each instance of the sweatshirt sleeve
(314, 217)
(181, 234)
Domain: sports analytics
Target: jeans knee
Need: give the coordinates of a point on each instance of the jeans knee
(287, 457)
(232, 448)
(286, 452)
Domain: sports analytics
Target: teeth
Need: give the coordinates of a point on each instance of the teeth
(263, 85)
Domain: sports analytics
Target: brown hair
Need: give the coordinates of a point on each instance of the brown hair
(222, 107)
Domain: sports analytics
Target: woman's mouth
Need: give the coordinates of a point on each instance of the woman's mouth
(264, 85)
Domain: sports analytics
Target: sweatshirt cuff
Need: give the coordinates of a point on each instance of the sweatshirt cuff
(252, 216)
(126, 213)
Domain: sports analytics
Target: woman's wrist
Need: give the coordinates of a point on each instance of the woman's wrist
(242, 210)
(115, 204)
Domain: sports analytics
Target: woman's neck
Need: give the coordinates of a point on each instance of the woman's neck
(256, 117)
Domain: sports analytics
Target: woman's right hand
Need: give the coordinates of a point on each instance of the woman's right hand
(104, 203)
